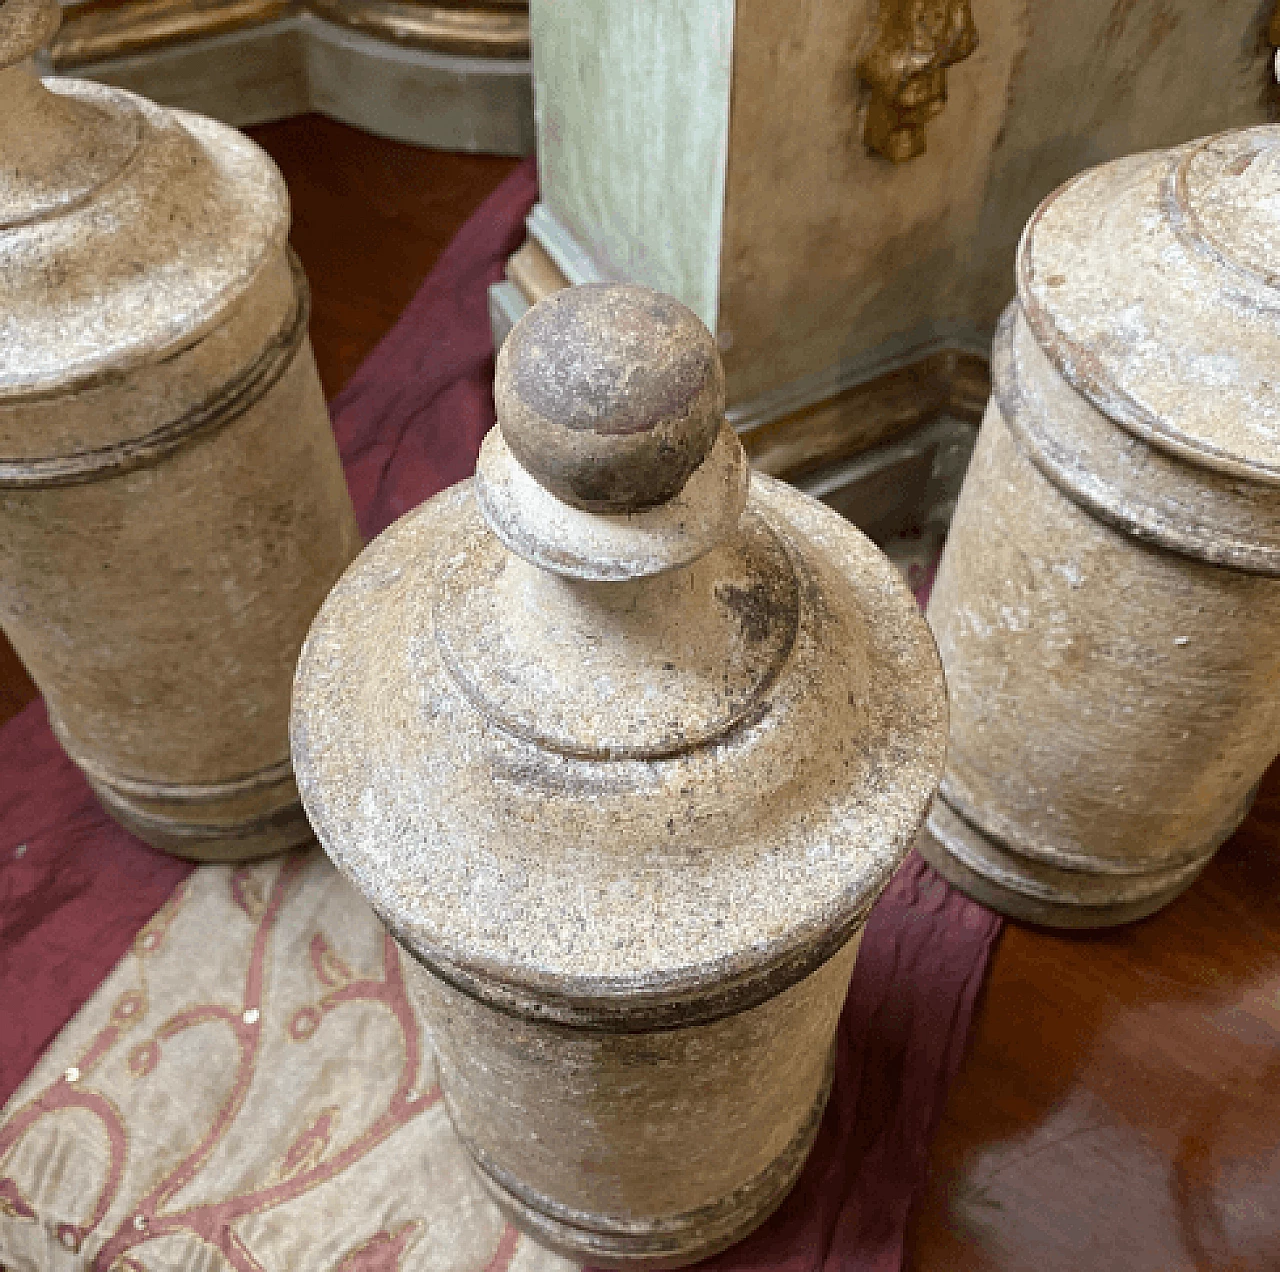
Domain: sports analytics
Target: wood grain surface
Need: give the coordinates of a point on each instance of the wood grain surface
(370, 217)
(1119, 1106)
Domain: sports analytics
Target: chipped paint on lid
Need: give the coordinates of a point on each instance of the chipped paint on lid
(127, 230)
(1151, 283)
(628, 803)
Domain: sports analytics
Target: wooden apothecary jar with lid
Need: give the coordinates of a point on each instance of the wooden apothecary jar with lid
(172, 506)
(622, 743)
(1108, 605)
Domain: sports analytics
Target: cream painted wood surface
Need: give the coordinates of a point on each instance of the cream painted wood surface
(173, 507)
(1107, 605)
(623, 767)
(829, 251)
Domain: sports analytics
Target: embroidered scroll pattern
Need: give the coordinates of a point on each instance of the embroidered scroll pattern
(261, 892)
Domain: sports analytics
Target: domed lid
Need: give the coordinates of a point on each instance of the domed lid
(126, 230)
(618, 734)
(1153, 283)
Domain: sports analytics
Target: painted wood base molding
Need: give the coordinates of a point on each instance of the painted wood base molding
(853, 298)
(446, 76)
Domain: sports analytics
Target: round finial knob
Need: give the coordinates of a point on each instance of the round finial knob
(613, 459)
(610, 396)
(26, 26)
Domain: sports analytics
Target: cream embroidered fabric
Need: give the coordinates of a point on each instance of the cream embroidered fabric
(250, 1090)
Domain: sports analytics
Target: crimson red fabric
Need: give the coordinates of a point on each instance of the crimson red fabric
(902, 1034)
(411, 420)
(75, 888)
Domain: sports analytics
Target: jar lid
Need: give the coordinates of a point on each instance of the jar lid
(618, 734)
(127, 230)
(1152, 285)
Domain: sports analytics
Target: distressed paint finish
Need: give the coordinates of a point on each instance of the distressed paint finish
(452, 76)
(172, 508)
(1108, 601)
(827, 245)
(625, 784)
(1099, 79)
(831, 266)
(650, 127)
(830, 253)
(642, 191)
(715, 1120)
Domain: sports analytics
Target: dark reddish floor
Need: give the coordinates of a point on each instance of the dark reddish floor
(1119, 1106)
(370, 217)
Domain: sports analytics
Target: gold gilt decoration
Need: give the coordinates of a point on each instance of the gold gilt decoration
(103, 29)
(498, 31)
(905, 67)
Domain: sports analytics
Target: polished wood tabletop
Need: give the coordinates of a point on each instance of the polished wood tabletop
(1118, 1108)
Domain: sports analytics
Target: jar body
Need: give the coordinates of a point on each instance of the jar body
(1113, 702)
(625, 785)
(158, 589)
(653, 1148)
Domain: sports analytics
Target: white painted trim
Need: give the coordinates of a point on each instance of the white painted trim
(570, 257)
(507, 306)
(720, 170)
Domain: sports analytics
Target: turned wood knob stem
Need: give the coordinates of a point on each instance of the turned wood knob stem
(56, 148)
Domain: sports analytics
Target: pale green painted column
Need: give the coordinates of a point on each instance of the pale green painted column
(631, 103)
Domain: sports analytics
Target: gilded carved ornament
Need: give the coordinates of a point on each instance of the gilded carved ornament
(908, 50)
(98, 30)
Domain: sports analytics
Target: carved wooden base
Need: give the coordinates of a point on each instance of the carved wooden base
(1034, 892)
(429, 88)
(278, 831)
(254, 816)
(673, 1242)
